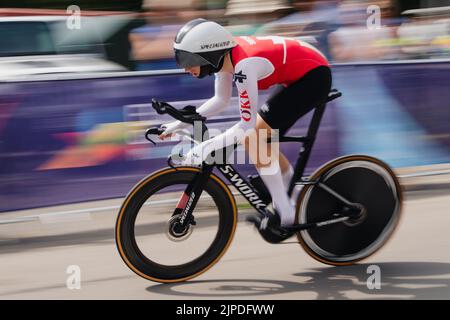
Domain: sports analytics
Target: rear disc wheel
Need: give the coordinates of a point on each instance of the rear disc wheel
(363, 180)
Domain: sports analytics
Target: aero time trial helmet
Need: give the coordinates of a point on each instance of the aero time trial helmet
(202, 43)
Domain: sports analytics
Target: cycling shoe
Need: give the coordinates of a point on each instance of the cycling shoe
(269, 226)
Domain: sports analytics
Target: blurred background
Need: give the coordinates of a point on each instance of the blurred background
(138, 34)
(77, 78)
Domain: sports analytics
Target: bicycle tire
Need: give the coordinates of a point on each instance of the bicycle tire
(142, 265)
(343, 243)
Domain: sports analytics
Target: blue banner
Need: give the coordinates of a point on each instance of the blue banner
(72, 140)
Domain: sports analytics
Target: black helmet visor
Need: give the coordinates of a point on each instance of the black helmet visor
(187, 59)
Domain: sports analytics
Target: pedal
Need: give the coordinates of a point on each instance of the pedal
(254, 219)
(270, 233)
(257, 183)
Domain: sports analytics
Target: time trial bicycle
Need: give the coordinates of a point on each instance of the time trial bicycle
(178, 222)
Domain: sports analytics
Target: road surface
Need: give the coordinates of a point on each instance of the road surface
(35, 256)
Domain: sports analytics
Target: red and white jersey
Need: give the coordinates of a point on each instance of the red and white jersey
(279, 60)
(259, 63)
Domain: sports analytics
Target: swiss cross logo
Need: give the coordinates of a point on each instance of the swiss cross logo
(245, 106)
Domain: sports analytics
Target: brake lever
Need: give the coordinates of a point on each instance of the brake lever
(153, 131)
(154, 143)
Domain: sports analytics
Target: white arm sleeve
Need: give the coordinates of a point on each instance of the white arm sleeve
(223, 85)
(247, 85)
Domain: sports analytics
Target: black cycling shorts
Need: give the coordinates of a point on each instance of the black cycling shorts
(289, 104)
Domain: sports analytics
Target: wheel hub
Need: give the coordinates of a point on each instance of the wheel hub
(359, 215)
(176, 232)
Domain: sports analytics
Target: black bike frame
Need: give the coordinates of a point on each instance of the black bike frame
(307, 144)
(242, 185)
(246, 189)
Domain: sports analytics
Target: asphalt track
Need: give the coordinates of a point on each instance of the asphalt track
(35, 255)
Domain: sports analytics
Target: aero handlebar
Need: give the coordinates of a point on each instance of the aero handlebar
(188, 114)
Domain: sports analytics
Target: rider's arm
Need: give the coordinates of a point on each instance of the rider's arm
(247, 85)
(223, 85)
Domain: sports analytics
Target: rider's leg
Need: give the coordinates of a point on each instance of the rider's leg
(289, 104)
(268, 160)
(281, 111)
(287, 171)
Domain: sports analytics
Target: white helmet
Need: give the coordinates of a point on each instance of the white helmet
(202, 43)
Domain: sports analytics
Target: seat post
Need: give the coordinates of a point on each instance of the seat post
(305, 151)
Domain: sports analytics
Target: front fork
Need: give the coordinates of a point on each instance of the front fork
(190, 196)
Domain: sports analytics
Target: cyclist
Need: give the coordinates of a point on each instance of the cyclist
(203, 48)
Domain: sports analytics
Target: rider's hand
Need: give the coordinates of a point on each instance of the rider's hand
(165, 136)
(170, 128)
